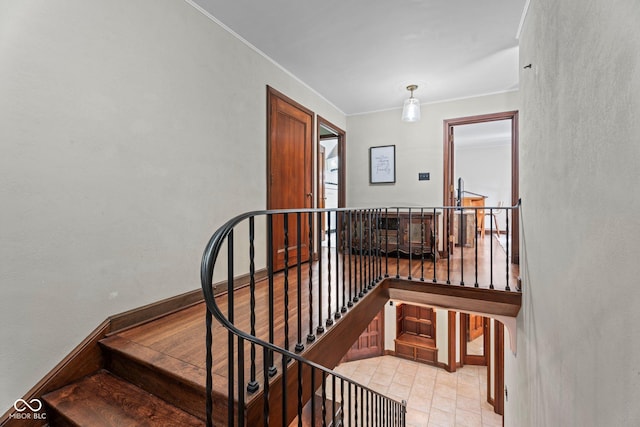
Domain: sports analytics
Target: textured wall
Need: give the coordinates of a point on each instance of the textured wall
(129, 132)
(578, 360)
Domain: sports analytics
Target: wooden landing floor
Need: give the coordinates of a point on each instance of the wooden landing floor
(176, 342)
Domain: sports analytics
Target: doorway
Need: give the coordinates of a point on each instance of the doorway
(331, 177)
(498, 141)
(289, 173)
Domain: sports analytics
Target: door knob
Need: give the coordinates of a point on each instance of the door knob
(309, 195)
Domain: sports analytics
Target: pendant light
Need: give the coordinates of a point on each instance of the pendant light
(411, 109)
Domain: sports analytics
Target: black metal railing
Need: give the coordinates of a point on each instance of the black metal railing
(262, 368)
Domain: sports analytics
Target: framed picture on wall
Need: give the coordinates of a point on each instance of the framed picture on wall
(382, 164)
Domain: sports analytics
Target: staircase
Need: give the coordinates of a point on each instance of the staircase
(141, 384)
(267, 359)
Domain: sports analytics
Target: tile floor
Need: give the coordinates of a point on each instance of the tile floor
(434, 396)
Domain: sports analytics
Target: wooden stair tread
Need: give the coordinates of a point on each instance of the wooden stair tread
(105, 400)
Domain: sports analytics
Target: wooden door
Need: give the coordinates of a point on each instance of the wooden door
(474, 339)
(370, 343)
(289, 172)
(475, 327)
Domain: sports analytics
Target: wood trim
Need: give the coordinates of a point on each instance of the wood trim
(83, 360)
(155, 310)
(342, 157)
(451, 366)
(448, 179)
(498, 405)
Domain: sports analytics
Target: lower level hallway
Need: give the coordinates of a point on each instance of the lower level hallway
(435, 397)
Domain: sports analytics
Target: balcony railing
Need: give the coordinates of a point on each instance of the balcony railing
(300, 280)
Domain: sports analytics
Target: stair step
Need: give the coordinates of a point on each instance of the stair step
(177, 382)
(102, 399)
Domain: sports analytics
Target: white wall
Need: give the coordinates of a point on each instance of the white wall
(419, 148)
(578, 359)
(129, 132)
(486, 170)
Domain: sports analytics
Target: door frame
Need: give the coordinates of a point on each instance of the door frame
(342, 152)
(471, 359)
(449, 179)
(342, 166)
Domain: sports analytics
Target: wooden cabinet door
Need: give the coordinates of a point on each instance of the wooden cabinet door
(370, 343)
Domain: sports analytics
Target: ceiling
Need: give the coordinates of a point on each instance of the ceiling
(361, 54)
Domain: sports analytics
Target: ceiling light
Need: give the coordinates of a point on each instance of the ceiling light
(411, 109)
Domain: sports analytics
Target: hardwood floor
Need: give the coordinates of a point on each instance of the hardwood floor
(166, 356)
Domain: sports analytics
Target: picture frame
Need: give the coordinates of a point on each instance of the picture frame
(382, 164)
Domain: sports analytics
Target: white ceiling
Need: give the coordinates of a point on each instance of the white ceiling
(361, 54)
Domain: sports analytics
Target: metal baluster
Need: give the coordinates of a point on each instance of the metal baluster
(329, 320)
(350, 402)
(286, 283)
(352, 298)
(386, 242)
(285, 390)
(410, 251)
(361, 278)
(300, 394)
(310, 336)
(320, 327)
(324, 399)
(265, 394)
(272, 369)
(491, 251)
(462, 231)
(337, 314)
(398, 243)
(333, 400)
(422, 244)
(299, 345)
(241, 402)
(342, 401)
(434, 242)
(230, 316)
(450, 245)
(253, 385)
(476, 249)
(507, 288)
(312, 394)
(344, 276)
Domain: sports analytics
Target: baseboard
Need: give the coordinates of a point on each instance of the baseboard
(83, 360)
(87, 358)
(153, 311)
